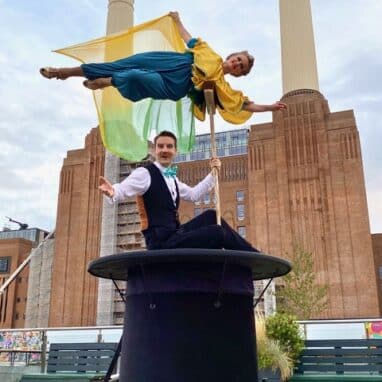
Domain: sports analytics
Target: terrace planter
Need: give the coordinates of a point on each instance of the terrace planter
(268, 375)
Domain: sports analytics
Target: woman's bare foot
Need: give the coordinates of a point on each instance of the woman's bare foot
(61, 73)
(98, 83)
(50, 73)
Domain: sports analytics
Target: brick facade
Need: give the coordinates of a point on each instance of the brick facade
(74, 291)
(13, 300)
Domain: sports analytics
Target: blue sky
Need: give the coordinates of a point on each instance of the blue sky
(41, 120)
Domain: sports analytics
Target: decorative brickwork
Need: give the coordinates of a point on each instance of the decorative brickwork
(74, 292)
(308, 188)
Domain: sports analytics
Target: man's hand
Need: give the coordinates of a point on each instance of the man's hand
(106, 187)
(215, 163)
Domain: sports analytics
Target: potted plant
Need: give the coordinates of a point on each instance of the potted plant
(283, 327)
(273, 362)
(279, 344)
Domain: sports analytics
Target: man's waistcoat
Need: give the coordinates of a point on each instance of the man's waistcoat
(158, 213)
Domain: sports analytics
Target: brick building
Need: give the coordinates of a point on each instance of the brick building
(79, 209)
(15, 247)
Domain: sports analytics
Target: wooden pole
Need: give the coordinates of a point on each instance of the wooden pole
(211, 109)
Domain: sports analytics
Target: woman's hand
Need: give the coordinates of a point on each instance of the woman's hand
(255, 108)
(277, 106)
(175, 16)
(186, 37)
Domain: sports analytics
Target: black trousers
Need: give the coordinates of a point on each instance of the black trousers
(203, 232)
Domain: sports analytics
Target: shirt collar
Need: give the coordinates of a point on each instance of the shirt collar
(161, 168)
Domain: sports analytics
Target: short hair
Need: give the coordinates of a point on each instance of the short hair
(250, 58)
(165, 133)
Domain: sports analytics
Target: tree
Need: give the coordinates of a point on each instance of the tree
(301, 295)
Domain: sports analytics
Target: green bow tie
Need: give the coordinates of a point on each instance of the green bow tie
(170, 172)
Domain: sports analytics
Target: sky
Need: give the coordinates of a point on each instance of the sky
(41, 120)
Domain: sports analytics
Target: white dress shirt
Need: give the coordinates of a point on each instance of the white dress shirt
(138, 182)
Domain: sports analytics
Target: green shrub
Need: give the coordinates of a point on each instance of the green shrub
(283, 328)
(270, 354)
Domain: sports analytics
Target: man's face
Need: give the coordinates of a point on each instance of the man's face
(165, 150)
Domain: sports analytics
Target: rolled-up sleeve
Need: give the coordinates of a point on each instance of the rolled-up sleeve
(193, 194)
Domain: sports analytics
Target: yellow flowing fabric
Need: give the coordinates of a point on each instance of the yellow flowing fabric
(126, 126)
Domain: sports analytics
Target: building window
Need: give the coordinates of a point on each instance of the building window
(240, 210)
(198, 155)
(239, 196)
(206, 199)
(221, 152)
(17, 316)
(18, 299)
(380, 273)
(241, 231)
(237, 150)
(4, 264)
(197, 211)
(181, 157)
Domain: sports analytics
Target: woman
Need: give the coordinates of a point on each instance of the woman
(172, 75)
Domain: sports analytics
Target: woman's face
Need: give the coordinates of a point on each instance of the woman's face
(237, 65)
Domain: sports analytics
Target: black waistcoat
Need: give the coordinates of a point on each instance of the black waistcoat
(160, 210)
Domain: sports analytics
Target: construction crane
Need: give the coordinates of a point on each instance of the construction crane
(21, 225)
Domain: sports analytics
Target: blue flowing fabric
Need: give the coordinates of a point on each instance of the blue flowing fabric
(158, 75)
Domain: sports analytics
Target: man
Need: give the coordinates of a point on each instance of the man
(182, 304)
(158, 192)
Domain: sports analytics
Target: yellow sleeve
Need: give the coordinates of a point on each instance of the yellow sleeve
(232, 102)
(207, 64)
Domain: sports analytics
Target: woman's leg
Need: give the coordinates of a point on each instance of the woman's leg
(62, 73)
(90, 71)
(98, 83)
(137, 84)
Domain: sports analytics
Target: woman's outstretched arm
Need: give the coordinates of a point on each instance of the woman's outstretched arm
(255, 108)
(182, 30)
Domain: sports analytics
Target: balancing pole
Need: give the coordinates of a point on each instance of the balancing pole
(209, 96)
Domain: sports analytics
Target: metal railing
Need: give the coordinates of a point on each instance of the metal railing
(313, 329)
(337, 329)
(21, 354)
